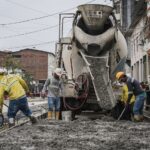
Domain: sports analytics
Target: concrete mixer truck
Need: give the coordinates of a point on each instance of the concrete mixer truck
(90, 56)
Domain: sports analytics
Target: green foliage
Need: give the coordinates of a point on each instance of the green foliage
(28, 78)
(11, 63)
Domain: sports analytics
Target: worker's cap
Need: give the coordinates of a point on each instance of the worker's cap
(58, 71)
(119, 75)
(2, 70)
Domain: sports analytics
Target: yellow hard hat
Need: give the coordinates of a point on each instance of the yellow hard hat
(119, 74)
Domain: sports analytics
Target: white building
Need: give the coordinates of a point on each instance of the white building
(139, 57)
(51, 64)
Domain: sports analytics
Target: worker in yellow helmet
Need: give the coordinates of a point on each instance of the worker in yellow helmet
(124, 99)
(134, 88)
(16, 89)
(121, 103)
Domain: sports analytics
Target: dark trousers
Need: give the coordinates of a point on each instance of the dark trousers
(117, 110)
(16, 105)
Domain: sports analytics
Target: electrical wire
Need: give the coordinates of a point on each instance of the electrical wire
(23, 6)
(51, 27)
(31, 32)
(27, 33)
(12, 30)
(42, 17)
(37, 44)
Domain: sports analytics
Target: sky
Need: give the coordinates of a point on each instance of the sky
(34, 23)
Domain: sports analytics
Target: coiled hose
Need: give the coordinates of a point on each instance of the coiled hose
(84, 94)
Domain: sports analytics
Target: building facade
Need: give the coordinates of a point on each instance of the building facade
(39, 64)
(147, 40)
(134, 22)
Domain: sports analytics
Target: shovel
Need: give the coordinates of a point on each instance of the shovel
(1, 120)
(121, 113)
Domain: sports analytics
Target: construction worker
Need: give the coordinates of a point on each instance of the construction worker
(121, 104)
(135, 88)
(16, 89)
(53, 85)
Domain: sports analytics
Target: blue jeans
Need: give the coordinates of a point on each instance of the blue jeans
(16, 105)
(139, 104)
(54, 103)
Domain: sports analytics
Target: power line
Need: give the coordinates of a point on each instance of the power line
(31, 32)
(23, 6)
(16, 31)
(48, 28)
(26, 33)
(37, 44)
(42, 17)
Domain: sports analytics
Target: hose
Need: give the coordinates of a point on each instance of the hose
(82, 97)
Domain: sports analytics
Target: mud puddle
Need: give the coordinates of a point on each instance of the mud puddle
(80, 134)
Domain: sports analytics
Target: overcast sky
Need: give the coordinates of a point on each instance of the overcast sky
(34, 23)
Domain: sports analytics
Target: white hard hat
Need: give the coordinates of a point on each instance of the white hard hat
(58, 71)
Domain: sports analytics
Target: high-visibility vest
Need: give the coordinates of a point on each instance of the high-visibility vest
(124, 96)
(16, 86)
(2, 89)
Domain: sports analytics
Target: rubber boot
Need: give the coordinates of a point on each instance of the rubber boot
(137, 118)
(11, 122)
(141, 117)
(49, 115)
(132, 117)
(33, 119)
(57, 115)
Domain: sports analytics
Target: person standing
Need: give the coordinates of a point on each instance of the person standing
(134, 88)
(53, 87)
(16, 89)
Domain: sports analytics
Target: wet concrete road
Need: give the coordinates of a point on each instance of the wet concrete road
(80, 134)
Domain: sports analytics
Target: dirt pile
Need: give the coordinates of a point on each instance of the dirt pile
(79, 134)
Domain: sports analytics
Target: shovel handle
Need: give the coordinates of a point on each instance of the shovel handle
(1, 120)
(121, 113)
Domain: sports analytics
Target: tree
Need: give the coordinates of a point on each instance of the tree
(11, 63)
(29, 79)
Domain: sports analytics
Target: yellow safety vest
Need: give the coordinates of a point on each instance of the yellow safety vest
(2, 89)
(16, 86)
(124, 96)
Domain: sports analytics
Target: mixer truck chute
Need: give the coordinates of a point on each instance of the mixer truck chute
(90, 56)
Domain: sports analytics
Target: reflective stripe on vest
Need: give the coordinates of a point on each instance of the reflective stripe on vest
(11, 84)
